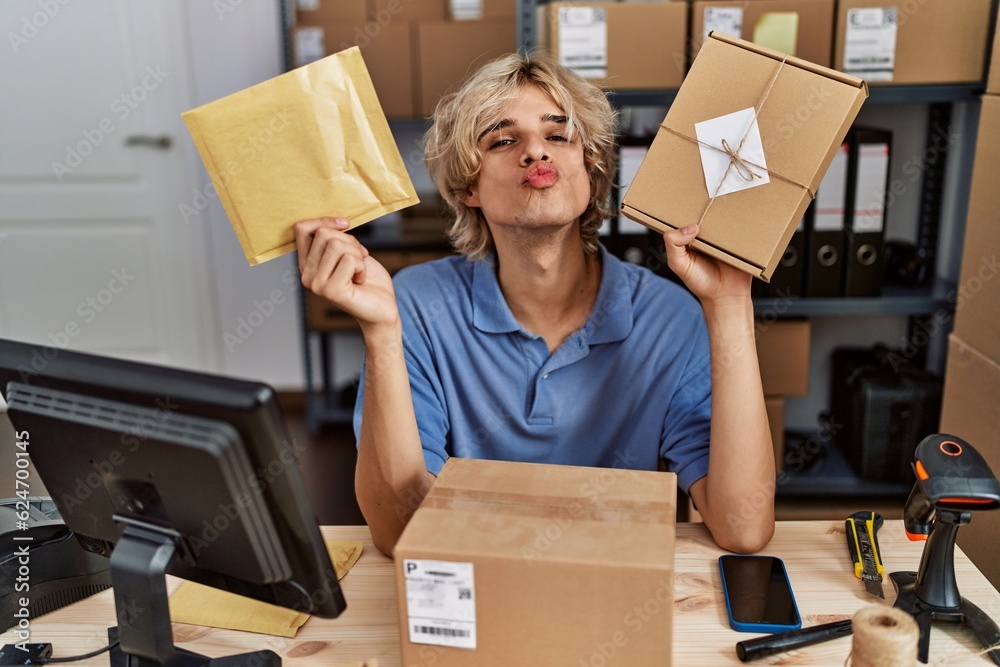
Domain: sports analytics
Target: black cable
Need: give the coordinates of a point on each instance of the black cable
(44, 661)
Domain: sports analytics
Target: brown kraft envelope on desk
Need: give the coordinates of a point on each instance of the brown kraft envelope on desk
(775, 157)
(309, 143)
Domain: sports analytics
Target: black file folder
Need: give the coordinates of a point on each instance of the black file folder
(868, 178)
(825, 236)
(788, 279)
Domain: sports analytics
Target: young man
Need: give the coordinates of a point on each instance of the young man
(535, 344)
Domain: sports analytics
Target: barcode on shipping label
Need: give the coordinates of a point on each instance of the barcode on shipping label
(583, 41)
(440, 603)
(870, 42)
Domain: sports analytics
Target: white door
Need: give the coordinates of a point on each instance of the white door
(94, 254)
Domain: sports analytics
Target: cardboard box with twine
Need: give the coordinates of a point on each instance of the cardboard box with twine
(743, 149)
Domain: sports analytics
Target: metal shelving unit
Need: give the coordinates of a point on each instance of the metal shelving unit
(904, 301)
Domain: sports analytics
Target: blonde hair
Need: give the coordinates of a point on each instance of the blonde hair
(454, 159)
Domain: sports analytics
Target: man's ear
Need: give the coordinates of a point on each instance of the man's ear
(471, 197)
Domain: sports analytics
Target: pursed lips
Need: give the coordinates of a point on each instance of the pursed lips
(540, 175)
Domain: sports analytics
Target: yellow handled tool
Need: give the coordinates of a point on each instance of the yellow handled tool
(862, 542)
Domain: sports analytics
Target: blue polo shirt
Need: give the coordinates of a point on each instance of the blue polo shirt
(628, 388)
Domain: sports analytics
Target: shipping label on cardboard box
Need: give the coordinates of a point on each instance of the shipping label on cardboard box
(802, 112)
(466, 10)
(870, 42)
(506, 560)
(441, 602)
(583, 41)
(725, 20)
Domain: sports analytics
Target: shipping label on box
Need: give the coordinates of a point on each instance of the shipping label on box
(583, 40)
(801, 112)
(523, 564)
(623, 46)
(870, 42)
(930, 41)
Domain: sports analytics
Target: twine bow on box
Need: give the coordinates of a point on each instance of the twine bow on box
(743, 166)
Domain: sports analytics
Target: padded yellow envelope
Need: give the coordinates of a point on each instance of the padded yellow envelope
(309, 143)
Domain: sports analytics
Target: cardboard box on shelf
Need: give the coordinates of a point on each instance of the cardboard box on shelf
(775, 406)
(411, 10)
(746, 180)
(331, 12)
(971, 411)
(801, 28)
(977, 316)
(450, 51)
(388, 57)
(463, 10)
(783, 356)
(622, 46)
(544, 563)
(931, 41)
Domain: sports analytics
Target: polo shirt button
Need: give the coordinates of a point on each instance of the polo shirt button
(545, 377)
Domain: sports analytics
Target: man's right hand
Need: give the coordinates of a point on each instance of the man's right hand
(335, 266)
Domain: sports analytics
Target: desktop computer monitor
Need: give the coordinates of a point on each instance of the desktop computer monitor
(168, 471)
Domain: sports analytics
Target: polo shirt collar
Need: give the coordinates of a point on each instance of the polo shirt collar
(610, 321)
(490, 312)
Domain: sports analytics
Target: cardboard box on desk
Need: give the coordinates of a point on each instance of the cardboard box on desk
(977, 317)
(622, 46)
(801, 28)
(547, 565)
(931, 41)
(993, 82)
(971, 411)
(803, 114)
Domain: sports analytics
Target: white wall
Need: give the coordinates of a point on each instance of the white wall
(230, 51)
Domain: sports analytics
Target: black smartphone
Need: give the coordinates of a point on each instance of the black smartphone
(758, 594)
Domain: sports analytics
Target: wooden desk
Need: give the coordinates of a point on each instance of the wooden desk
(815, 554)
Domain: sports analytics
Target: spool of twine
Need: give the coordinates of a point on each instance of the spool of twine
(883, 637)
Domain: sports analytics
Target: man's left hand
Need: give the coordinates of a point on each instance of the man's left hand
(708, 278)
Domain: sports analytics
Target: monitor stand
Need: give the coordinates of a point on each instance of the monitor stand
(139, 565)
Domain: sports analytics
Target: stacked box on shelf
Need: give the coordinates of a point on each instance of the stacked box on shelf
(621, 46)
(415, 50)
(931, 41)
(448, 51)
(437, 10)
(783, 356)
(383, 36)
(801, 28)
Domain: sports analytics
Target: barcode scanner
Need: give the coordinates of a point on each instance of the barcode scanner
(953, 481)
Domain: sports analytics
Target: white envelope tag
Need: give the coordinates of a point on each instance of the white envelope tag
(715, 161)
